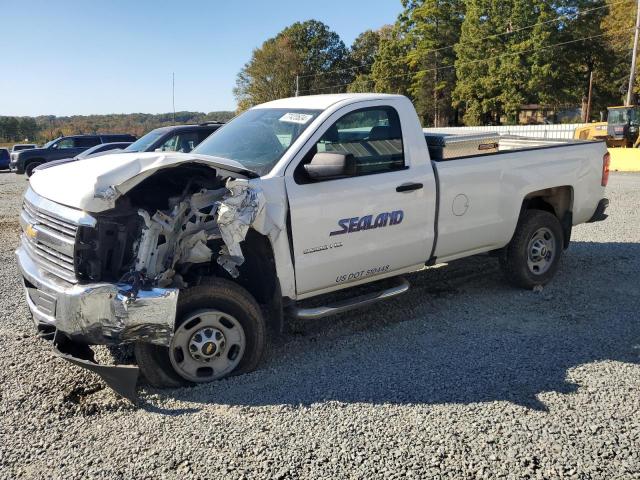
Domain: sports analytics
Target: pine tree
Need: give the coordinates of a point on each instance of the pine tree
(502, 61)
(417, 58)
(618, 24)
(390, 72)
(432, 28)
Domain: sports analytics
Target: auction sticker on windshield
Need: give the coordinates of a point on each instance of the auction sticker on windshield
(300, 118)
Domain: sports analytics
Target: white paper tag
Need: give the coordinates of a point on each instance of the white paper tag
(300, 118)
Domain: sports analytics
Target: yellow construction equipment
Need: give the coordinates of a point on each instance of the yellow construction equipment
(621, 134)
(623, 124)
(620, 130)
(625, 159)
(593, 131)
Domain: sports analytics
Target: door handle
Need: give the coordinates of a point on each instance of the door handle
(409, 187)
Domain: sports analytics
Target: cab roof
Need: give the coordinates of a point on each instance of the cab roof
(322, 102)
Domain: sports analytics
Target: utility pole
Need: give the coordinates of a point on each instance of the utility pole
(173, 94)
(298, 83)
(588, 113)
(632, 75)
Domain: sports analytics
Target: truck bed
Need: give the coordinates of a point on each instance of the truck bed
(445, 146)
(477, 211)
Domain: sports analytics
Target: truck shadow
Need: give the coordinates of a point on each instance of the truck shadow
(461, 335)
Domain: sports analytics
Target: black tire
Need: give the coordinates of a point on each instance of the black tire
(154, 361)
(29, 168)
(516, 256)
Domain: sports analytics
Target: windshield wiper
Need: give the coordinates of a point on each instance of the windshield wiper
(248, 173)
(241, 170)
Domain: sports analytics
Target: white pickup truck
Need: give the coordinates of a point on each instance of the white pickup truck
(194, 258)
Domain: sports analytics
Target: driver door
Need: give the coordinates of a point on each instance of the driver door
(353, 229)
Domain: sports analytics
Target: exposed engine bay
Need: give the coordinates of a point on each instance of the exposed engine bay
(171, 226)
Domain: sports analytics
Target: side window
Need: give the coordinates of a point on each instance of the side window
(372, 135)
(86, 142)
(182, 142)
(65, 143)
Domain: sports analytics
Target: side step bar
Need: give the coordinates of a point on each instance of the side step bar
(351, 303)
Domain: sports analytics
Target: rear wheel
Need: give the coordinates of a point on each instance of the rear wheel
(220, 331)
(533, 255)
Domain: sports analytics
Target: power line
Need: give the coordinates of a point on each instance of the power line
(495, 35)
(632, 73)
(470, 62)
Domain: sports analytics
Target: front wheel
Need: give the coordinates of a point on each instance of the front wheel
(30, 168)
(533, 255)
(220, 331)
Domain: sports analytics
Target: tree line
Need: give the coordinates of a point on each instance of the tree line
(43, 128)
(460, 61)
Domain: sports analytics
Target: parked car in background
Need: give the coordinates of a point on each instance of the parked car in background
(97, 151)
(4, 158)
(177, 138)
(23, 146)
(25, 161)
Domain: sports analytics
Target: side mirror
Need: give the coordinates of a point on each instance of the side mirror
(327, 165)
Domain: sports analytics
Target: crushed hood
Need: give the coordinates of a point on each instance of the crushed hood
(94, 184)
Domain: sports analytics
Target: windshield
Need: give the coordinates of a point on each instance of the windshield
(48, 144)
(144, 142)
(621, 116)
(258, 138)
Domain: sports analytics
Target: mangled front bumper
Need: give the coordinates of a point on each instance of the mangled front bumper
(76, 316)
(99, 313)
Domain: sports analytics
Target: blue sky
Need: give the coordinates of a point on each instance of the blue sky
(83, 57)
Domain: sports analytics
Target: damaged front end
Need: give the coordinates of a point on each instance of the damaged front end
(114, 277)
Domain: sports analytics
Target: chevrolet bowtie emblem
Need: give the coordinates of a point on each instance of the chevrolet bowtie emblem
(30, 231)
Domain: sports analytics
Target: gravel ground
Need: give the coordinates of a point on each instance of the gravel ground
(463, 377)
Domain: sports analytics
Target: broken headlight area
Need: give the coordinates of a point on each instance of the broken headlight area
(181, 236)
(105, 252)
(170, 223)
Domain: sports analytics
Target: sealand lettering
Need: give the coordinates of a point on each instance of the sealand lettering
(368, 222)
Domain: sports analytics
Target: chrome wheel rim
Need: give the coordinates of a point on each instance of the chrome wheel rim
(207, 346)
(541, 251)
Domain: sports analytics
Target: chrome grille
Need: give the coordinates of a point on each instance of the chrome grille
(49, 235)
(63, 227)
(61, 267)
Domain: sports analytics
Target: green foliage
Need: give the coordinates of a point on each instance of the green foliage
(10, 129)
(363, 55)
(617, 25)
(323, 55)
(416, 57)
(390, 72)
(364, 50)
(432, 27)
(47, 127)
(268, 76)
(305, 49)
(581, 58)
(500, 63)
(470, 61)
